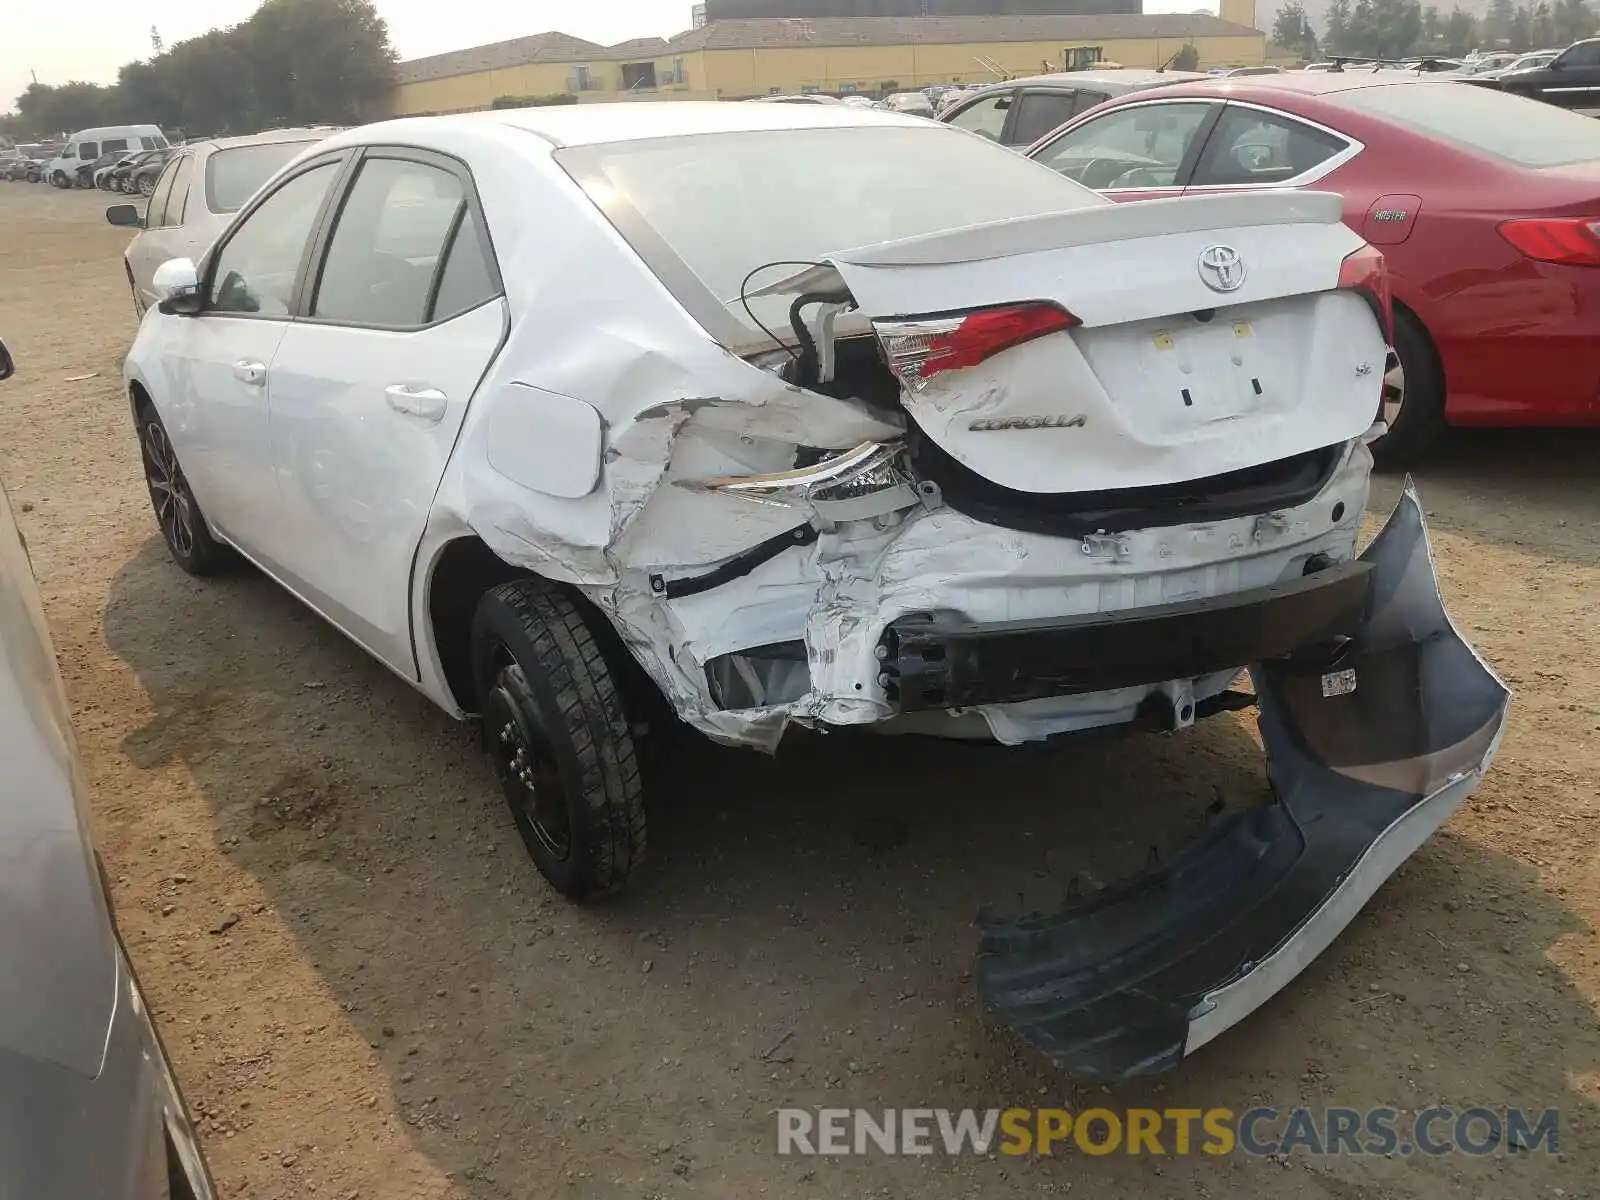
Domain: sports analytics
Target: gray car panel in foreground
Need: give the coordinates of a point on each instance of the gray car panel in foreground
(89, 1109)
(1372, 742)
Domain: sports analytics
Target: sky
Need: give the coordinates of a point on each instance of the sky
(90, 39)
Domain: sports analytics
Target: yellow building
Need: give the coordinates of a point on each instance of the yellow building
(735, 60)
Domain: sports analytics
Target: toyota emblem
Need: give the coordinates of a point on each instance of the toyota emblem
(1221, 268)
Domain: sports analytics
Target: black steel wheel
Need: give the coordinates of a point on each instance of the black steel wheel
(183, 525)
(557, 737)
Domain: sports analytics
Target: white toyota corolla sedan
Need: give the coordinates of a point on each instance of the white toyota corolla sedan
(586, 420)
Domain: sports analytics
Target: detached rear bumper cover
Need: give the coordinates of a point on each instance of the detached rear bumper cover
(1131, 981)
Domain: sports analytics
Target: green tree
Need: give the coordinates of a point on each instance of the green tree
(319, 60)
(1187, 59)
(210, 76)
(1461, 32)
(294, 61)
(50, 111)
(1397, 24)
(144, 93)
(1432, 26)
(1497, 22)
(1384, 28)
(1571, 21)
(1292, 30)
(1336, 38)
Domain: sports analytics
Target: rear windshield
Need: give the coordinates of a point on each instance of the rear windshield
(727, 203)
(234, 175)
(1528, 132)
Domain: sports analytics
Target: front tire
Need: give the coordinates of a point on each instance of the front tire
(1418, 418)
(557, 736)
(183, 525)
(147, 185)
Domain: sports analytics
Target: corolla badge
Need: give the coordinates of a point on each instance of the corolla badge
(1039, 421)
(1221, 268)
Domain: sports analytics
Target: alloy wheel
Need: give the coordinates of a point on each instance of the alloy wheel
(1394, 390)
(169, 490)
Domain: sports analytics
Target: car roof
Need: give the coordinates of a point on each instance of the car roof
(597, 124)
(1308, 83)
(1118, 80)
(267, 137)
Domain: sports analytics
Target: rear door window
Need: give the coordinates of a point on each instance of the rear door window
(237, 173)
(88, 151)
(1141, 146)
(1085, 100)
(387, 244)
(1249, 146)
(172, 211)
(113, 145)
(155, 212)
(1038, 113)
(1527, 132)
(468, 278)
(986, 116)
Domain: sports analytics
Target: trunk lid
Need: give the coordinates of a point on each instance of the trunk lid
(1207, 335)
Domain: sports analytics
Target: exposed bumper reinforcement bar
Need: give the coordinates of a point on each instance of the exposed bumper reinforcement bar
(936, 661)
(1368, 753)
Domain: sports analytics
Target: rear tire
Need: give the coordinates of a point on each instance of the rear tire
(557, 736)
(1421, 415)
(183, 525)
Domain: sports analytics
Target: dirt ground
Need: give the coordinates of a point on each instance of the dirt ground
(369, 993)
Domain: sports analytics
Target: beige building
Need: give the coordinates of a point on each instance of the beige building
(734, 60)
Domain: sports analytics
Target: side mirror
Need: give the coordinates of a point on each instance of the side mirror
(8, 366)
(127, 216)
(177, 285)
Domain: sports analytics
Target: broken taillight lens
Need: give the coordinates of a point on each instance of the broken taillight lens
(1574, 241)
(920, 348)
(1365, 271)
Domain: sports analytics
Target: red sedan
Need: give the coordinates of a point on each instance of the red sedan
(1486, 207)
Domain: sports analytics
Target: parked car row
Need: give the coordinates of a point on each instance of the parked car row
(26, 163)
(134, 174)
(86, 159)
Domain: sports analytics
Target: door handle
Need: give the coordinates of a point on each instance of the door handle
(253, 373)
(427, 403)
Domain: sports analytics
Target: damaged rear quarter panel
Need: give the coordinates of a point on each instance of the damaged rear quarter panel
(591, 323)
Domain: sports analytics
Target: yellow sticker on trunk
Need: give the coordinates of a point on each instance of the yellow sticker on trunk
(1163, 340)
(1241, 329)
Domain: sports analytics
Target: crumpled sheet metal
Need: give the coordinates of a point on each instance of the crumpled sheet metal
(1368, 754)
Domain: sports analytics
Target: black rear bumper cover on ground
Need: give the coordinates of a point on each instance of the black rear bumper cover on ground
(1369, 750)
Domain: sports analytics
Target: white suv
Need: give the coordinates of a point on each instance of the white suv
(587, 421)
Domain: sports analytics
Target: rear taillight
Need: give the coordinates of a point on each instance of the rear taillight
(1574, 241)
(920, 348)
(1365, 271)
